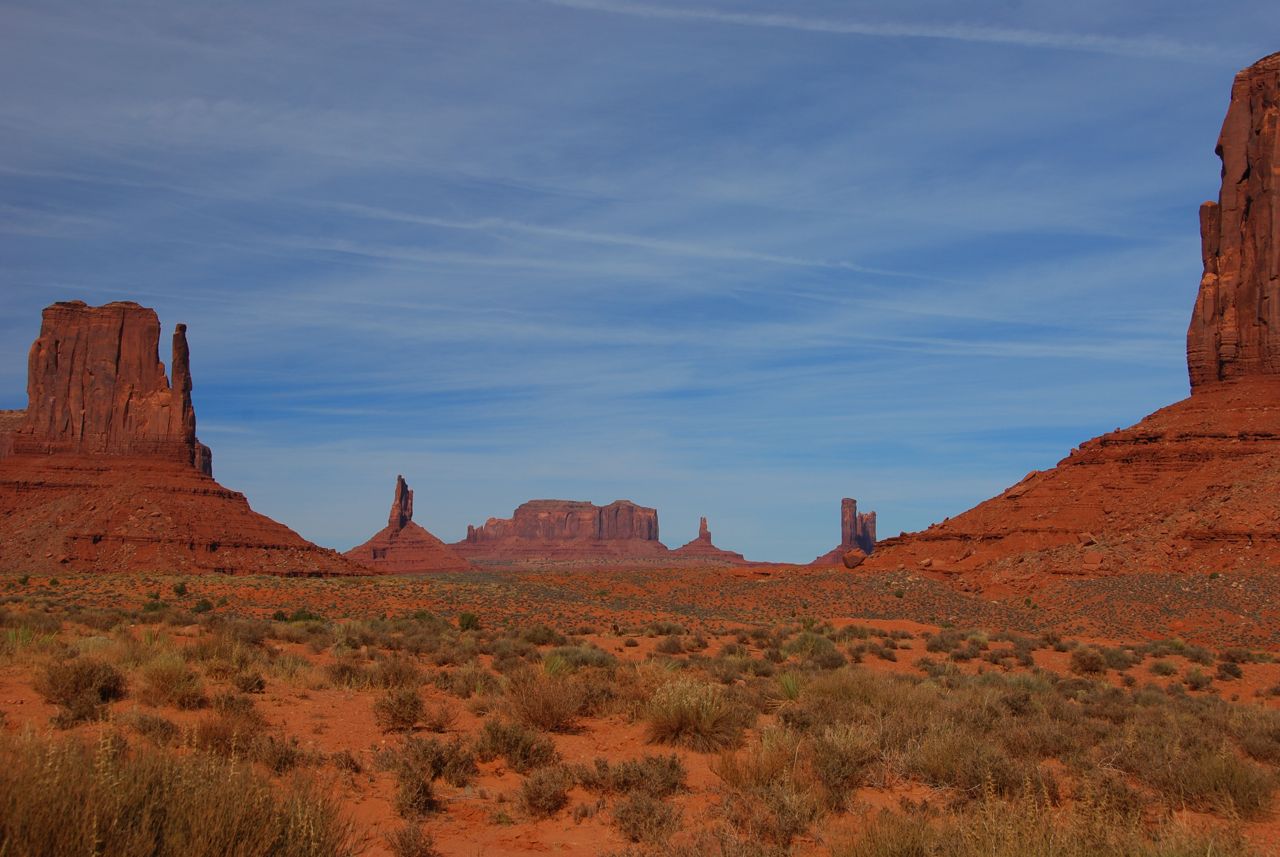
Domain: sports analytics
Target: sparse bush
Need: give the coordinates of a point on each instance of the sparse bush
(641, 817)
(545, 791)
(81, 687)
(398, 709)
(697, 715)
(411, 841)
(64, 798)
(1086, 660)
(168, 681)
(153, 727)
(543, 701)
(523, 749)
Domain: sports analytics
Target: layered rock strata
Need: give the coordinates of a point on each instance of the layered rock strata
(404, 547)
(103, 471)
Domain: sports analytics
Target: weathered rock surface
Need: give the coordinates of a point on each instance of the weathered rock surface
(103, 471)
(857, 530)
(567, 531)
(403, 547)
(1192, 487)
(1235, 326)
(704, 550)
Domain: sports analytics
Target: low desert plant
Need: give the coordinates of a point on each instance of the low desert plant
(522, 748)
(81, 687)
(63, 797)
(544, 701)
(398, 709)
(697, 715)
(545, 791)
(411, 841)
(641, 817)
(168, 680)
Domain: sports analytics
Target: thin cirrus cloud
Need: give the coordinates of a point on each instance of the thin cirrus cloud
(1149, 47)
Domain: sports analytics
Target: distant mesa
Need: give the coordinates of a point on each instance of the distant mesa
(857, 537)
(567, 531)
(103, 471)
(703, 550)
(1192, 487)
(403, 547)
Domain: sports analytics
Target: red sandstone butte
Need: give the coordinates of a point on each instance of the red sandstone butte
(103, 471)
(857, 533)
(567, 532)
(403, 547)
(703, 550)
(1192, 487)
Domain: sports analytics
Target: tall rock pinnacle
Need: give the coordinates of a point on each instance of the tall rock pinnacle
(401, 506)
(1235, 325)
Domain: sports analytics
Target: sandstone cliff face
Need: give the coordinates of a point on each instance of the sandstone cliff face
(403, 547)
(704, 551)
(95, 384)
(1190, 488)
(1235, 325)
(857, 532)
(103, 471)
(566, 531)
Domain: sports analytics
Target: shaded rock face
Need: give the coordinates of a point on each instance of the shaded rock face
(857, 531)
(1235, 325)
(95, 384)
(103, 471)
(566, 531)
(702, 549)
(1191, 487)
(403, 547)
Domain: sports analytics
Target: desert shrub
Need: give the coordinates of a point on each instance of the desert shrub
(168, 681)
(395, 671)
(541, 635)
(81, 687)
(522, 748)
(545, 791)
(249, 682)
(1228, 670)
(63, 798)
(658, 776)
(432, 759)
(398, 709)
(670, 645)
(349, 673)
(439, 718)
(543, 701)
(1163, 668)
(703, 717)
(1197, 680)
(227, 732)
(770, 793)
(641, 817)
(578, 657)
(842, 755)
(468, 622)
(155, 728)
(1086, 660)
(996, 828)
(466, 681)
(411, 841)
(415, 796)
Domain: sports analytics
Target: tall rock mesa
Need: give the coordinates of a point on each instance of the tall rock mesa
(1235, 325)
(95, 385)
(857, 532)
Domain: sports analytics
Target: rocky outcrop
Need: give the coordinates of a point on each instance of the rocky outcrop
(1191, 487)
(1235, 325)
(95, 384)
(103, 471)
(567, 531)
(703, 550)
(403, 547)
(857, 532)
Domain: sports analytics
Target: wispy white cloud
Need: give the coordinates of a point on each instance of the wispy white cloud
(1143, 47)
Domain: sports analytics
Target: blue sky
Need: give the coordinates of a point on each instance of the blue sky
(713, 257)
